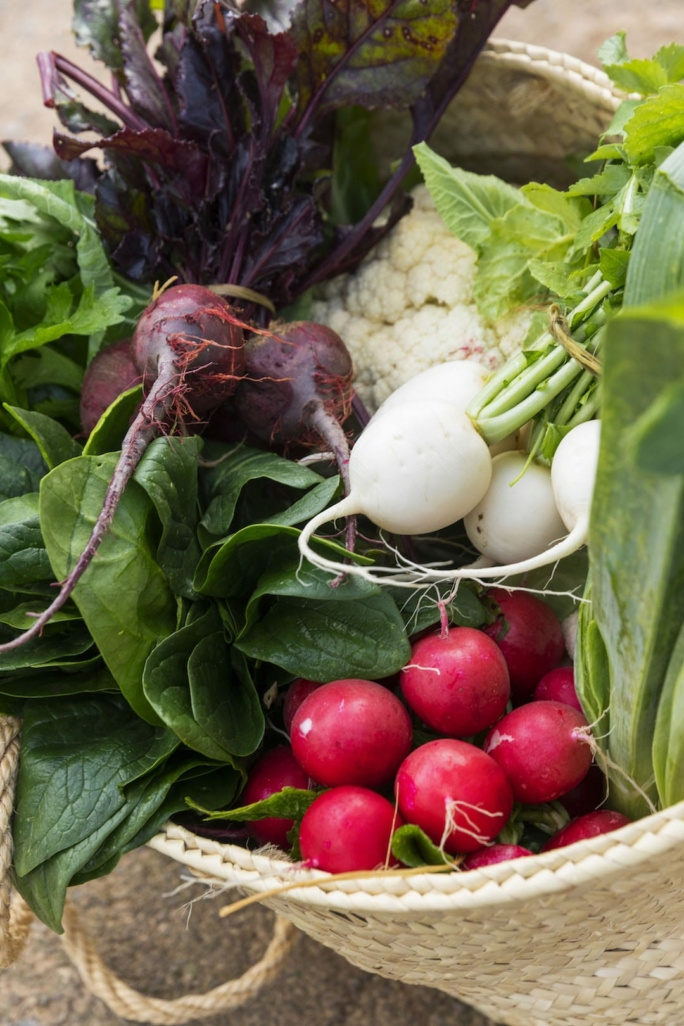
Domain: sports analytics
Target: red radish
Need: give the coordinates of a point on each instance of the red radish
(298, 388)
(275, 770)
(591, 825)
(531, 638)
(588, 794)
(456, 684)
(454, 792)
(351, 732)
(298, 690)
(349, 828)
(558, 686)
(110, 373)
(188, 348)
(542, 748)
(496, 853)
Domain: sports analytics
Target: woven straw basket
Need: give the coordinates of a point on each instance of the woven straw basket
(592, 933)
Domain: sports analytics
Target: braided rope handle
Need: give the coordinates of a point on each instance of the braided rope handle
(130, 1004)
(16, 917)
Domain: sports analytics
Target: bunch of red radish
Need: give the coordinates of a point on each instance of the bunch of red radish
(355, 739)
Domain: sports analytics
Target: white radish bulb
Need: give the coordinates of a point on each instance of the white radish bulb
(456, 382)
(573, 472)
(518, 517)
(418, 468)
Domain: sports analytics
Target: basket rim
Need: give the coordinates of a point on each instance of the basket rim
(518, 880)
(583, 864)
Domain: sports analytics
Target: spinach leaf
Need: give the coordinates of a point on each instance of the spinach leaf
(222, 484)
(195, 688)
(324, 640)
(77, 755)
(108, 433)
(168, 473)
(224, 700)
(21, 466)
(123, 596)
(91, 678)
(54, 442)
(24, 562)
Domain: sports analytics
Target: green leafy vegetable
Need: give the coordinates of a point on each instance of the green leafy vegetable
(413, 847)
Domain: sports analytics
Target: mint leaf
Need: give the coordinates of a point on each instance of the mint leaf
(654, 123)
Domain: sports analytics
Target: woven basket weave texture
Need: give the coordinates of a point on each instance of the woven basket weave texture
(589, 934)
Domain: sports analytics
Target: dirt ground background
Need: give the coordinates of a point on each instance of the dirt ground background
(143, 932)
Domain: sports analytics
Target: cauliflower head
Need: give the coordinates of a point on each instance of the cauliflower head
(409, 305)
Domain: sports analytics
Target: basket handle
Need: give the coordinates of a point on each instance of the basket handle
(15, 915)
(124, 1001)
(130, 1004)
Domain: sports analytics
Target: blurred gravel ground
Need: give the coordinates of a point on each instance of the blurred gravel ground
(143, 933)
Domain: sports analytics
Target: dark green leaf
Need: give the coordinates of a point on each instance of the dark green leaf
(55, 443)
(93, 678)
(167, 687)
(23, 559)
(168, 473)
(108, 433)
(355, 182)
(222, 484)
(77, 755)
(224, 700)
(47, 366)
(21, 467)
(123, 596)
(324, 640)
(96, 25)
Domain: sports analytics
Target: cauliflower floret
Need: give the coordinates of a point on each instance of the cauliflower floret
(410, 305)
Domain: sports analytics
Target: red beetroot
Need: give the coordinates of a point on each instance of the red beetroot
(457, 684)
(454, 792)
(543, 750)
(351, 732)
(347, 829)
(298, 388)
(591, 825)
(533, 643)
(558, 686)
(298, 690)
(110, 373)
(275, 770)
(495, 853)
(188, 347)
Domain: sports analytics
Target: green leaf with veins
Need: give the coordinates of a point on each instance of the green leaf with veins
(324, 641)
(166, 682)
(466, 202)
(168, 473)
(123, 596)
(47, 366)
(108, 433)
(24, 561)
(54, 441)
(290, 803)
(21, 466)
(221, 485)
(90, 679)
(396, 50)
(77, 755)
(656, 122)
(224, 700)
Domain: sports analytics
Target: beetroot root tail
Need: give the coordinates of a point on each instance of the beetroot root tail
(142, 431)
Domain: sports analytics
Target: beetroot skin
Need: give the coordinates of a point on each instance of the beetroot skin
(110, 373)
